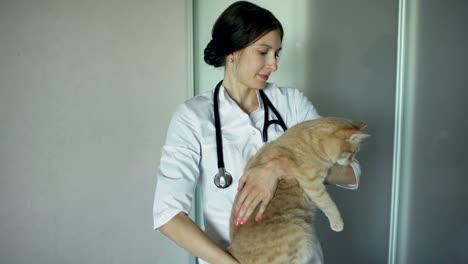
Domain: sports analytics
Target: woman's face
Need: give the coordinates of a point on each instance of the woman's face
(254, 64)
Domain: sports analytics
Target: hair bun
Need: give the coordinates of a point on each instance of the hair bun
(211, 55)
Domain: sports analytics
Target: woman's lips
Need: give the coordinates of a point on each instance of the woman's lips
(264, 77)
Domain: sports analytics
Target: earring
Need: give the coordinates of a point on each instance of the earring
(231, 60)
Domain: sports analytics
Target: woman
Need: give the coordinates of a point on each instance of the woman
(246, 40)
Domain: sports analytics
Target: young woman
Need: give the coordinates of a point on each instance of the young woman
(246, 40)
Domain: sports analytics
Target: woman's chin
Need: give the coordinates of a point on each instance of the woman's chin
(260, 84)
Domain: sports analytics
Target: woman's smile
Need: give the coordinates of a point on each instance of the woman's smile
(264, 77)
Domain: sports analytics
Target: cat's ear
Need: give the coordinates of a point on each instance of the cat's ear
(359, 124)
(358, 136)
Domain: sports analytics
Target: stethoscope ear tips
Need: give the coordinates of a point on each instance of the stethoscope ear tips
(222, 179)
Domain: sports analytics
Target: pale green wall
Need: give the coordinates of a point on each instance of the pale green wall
(86, 92)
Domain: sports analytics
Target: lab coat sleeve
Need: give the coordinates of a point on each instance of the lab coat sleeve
(357, 174)
(304, 108)
(178, 169)
(306, 111)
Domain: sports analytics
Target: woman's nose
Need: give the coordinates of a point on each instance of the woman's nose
(273, 63)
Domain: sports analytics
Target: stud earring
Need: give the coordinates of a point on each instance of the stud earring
(231, 60)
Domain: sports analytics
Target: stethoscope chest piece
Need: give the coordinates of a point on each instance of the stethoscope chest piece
(222, 179)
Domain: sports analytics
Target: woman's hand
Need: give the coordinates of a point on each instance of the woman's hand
(341, 175)
(256, 188)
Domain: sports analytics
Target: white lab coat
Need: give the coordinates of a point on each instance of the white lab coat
(189, 155)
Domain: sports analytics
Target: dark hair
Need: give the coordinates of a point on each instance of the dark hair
(241, 24)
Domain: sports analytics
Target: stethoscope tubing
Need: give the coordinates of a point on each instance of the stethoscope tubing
(219, 141)
(223, 179)
(267, 104)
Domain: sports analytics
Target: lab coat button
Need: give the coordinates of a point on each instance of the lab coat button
(254, 132)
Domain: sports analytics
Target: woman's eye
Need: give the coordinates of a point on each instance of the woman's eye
(263, 52)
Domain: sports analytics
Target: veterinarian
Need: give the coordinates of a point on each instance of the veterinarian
(211, 137)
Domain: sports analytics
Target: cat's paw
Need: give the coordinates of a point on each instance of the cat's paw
(337, 226)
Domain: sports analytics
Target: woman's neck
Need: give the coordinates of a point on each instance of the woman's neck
(244, 96)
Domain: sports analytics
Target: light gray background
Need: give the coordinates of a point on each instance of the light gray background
(430, 216)
(352, 74)
(86, 92)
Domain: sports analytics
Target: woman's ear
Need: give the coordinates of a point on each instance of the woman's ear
(230, 58)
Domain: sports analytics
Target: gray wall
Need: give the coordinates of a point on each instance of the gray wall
(411, 204)
(352, 56)
(86, 92)
(430, 214)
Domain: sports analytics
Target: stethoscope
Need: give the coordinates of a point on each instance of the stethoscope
(223, 179)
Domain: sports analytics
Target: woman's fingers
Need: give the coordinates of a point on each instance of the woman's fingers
(252, 201)
(242, 181)
(240, 200)
(256, 189)
(247, 209)
(261, 210)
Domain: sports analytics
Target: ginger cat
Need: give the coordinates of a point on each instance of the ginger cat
(286, 234)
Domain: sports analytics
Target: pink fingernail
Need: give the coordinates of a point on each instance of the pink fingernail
(242, 222)
(258, 218)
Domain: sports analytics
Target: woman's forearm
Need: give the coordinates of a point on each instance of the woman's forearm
(188, 235)
(341, 175)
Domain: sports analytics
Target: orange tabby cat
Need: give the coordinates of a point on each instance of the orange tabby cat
(286, 234)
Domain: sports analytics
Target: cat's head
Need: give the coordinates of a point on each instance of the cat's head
(340, 139)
